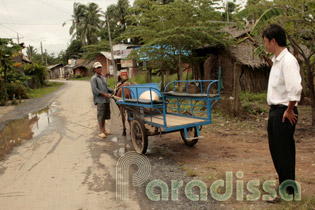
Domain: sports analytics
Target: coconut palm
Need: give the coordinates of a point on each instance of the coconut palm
(30, 51)
(91, 23)
(79, 13)
(122, 11)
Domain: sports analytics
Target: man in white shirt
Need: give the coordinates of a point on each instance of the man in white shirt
(284, 91)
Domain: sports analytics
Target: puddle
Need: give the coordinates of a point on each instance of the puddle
(123, 147)
(115, 139)
(18, 131)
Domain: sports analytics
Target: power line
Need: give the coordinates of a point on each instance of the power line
(18, 33)
(53, 6)
(5, 7)
(31, 24)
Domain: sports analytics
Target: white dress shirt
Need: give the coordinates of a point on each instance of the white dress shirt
(284, 80)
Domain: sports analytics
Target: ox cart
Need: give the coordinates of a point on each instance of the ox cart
(170, 111)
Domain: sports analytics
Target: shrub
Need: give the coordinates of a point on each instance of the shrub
(3, 93)
(17, 89)
(37, 75)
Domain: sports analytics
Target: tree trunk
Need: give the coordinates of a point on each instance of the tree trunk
(167, 75)
(149, 75)
(236, 89)
(5, 74)
(162, 81)
(180, 70)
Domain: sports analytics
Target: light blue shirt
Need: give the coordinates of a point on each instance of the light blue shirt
(99, 85)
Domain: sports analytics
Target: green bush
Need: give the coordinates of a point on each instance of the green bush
(17, 89)
(3, 93)
(37, 75)
(253, 103)
(78, 76)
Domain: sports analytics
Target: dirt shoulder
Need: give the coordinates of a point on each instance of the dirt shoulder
(8, 113)
(242, 145)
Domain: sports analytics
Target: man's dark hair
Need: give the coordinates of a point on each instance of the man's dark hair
(276, 32)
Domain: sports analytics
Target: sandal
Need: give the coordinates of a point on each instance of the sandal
(107, 133)
(102, 135)
(274, 200)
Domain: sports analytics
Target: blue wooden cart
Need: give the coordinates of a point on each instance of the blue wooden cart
(169, 111)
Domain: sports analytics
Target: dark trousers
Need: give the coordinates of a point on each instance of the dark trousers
(281, 143)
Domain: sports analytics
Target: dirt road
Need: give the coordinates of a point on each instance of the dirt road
(64, 166)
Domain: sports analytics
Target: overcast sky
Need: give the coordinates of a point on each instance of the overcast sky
(41, 21)
(38, 21)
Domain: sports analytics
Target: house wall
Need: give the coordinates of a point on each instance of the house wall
(55, 73)
(105, 64)
(81, 71)
(250, 79)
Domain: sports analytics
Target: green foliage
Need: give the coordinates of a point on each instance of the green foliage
(254, 9)
(254, 103)
(3, 93)
(30, 51)
(37, 74)
(78, 76)
(16, 89)
(8, 50)
(297, 18)
(91, 51)
(116, 16)
(170, 32)
(111, 82)
(264, 19)
(86, 23)
(40, 92)
(74, 50)
(15, 75)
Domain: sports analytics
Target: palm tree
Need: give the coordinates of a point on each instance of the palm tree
(86, 23)
(30, 51)
(91, 24)
(116, 15)
(79, 14)
(122, 11)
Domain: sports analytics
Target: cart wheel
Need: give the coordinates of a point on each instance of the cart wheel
(191, 132)
(139, 136)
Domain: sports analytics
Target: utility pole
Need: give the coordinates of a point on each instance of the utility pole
(227, 10)
(46, 57)
(111, 49)
(18, 39)
(41, 50)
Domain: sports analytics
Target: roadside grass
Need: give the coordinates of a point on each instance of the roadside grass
(79, 78)
(141, 78)
(254, 103)
(304, 204)
(40, 92)
(189, 170)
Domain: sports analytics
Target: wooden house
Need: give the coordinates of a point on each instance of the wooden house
(56, 71)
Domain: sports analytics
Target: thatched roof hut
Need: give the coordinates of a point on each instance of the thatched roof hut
(239, 65)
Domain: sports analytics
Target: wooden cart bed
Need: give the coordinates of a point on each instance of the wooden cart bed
(173, 120)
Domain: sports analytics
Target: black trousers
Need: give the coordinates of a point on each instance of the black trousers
(281, 143)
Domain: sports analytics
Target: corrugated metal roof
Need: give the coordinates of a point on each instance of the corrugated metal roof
(108, 55)
(54, 66)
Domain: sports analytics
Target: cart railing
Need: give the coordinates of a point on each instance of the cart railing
(137, 90)
(195, 101)
(203, 86)
(188, 104)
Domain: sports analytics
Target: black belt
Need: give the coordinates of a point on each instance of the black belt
(280, 106)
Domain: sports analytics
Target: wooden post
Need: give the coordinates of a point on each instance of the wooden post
(111, 50)
(236, 89)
